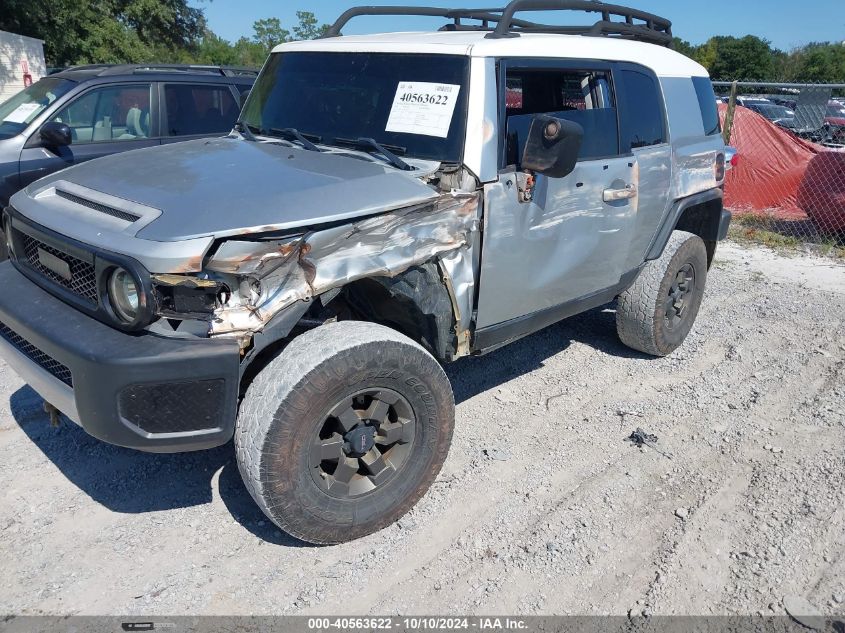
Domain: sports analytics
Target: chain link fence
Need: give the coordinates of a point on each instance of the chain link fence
(787, 187)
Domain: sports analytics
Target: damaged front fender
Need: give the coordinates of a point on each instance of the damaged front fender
(273, 275)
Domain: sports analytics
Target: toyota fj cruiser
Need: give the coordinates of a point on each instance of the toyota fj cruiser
(386, 203)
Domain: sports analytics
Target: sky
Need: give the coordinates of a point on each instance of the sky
(786, 23)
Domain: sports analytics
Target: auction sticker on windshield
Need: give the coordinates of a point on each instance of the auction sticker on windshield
(421, 107)
(22, 112)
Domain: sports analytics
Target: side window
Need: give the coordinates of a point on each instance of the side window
(640, 111)
(707, 104)
(198, 109)
(113, 113)
(584, 97)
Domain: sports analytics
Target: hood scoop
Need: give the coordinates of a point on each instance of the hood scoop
(96, 206)
(109, 213)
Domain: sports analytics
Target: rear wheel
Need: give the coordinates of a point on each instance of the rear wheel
(657, 312)
(341, 434)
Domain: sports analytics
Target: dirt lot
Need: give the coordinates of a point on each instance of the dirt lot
(541, 507)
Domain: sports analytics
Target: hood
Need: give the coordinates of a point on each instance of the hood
(227, 186)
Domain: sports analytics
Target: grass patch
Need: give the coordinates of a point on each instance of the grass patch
(756, 235)
(786, 236)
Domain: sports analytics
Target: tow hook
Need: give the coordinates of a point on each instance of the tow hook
(54, 414)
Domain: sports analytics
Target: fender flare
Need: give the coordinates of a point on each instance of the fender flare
(711, 226)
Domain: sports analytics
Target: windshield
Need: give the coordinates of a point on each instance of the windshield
(775, 112)
(18, 111)
(414, 105)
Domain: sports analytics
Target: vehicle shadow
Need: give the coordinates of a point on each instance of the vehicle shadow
(133, 482)
(595, 328)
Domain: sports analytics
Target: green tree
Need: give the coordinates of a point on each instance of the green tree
(684, 47)
(213, 49)
(308, 29)
(249, 52)
(749, 57)
(83, 31)
(269, 32)
(820, 62)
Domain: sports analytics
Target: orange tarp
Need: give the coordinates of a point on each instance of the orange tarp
(772, 164)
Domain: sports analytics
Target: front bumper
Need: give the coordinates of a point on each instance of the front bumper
(136, 390)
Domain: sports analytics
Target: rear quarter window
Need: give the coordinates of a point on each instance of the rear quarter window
(707, 104)
(640, 111)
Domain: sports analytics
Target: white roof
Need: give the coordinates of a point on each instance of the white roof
(663, 61)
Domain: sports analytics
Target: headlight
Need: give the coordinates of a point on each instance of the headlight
(123, 295)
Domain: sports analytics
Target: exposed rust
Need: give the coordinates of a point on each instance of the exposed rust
(192, 265)
(251, 261)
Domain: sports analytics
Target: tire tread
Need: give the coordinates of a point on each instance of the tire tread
(310, 356)
(635, 311)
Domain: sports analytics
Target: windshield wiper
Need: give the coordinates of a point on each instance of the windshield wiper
(292, 134)
(243, 128)
(364, 143)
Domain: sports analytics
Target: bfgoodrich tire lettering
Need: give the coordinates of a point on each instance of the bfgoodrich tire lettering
(285, 409)
(657, 312)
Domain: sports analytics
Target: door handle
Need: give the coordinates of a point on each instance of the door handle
(628, 191)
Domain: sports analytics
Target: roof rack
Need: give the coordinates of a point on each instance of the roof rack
(128, 69)
(500, 22)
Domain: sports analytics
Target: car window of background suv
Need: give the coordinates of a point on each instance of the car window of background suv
(198, 109)
(108, 114)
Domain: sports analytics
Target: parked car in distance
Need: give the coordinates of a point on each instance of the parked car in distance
(835, 120)
(731, 157)
(784, 101)
(86, 112)
(777, 114)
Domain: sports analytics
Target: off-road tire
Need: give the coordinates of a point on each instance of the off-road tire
(283, 408)
(640, 314)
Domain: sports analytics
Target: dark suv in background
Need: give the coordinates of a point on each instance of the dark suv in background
(87, 112)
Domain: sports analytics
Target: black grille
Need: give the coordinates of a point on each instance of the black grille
(174, 407)
(29, 350)
(83, 279)
(96, 206)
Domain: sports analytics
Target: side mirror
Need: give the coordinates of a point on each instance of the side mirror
(55, 134)
(552, 146)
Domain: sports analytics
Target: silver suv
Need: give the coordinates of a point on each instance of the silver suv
(385, 204)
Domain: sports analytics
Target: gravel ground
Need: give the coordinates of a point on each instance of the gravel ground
(541, 508)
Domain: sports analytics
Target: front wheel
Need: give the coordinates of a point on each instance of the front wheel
(657, 312)
(344, 431)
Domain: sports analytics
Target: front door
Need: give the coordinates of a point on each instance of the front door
(572, 239)
(104, 120)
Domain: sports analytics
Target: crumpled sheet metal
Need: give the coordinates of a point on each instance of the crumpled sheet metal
(247, 258)
(384, 245)
(459, 272)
